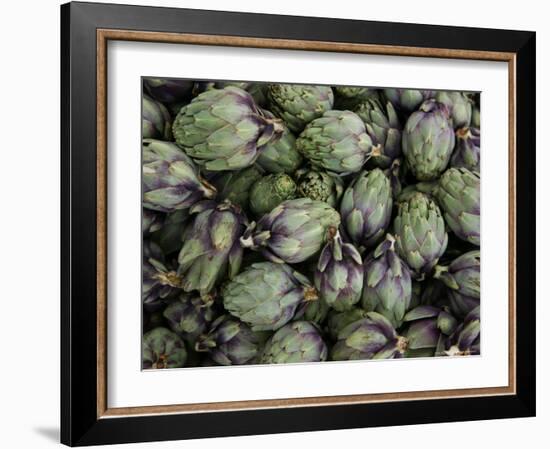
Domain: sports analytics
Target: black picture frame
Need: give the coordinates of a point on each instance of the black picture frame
(80, 423)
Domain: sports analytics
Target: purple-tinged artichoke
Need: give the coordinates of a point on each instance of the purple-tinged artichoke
(388, 285)
(466, 340)
(170, 178)
(466, 152)
(151, 221)
(168, 90)
(266, 295)
(280, 156)
(270, 191)
(319, 185)
(459, 197)
(384, 129)
(230, 342)
(462, 277)
(297, 342)
(224, 129)
(395, 174)
(428, 140)
(162, 349)
(235, 185)
(459, 105)
(419, 231)
(292, 232)
(257, 90)
(156, 122)
(211, 250)
(299, 104)
(338, 320)
(407, 100)
(366, 208)
(313, 311)
(339, 273)
(336, 142)
(372, 337)
(158, 281)
(428, 330)
(191, 315)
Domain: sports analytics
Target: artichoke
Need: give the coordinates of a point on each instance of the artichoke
(313, 311)
(158, 281)
(297, 342)
(339, 273)
(466, 153)
(191, 315)
(299, 104)
(337, 142)
(428, 140)
(420, 234)
(156, 122)
(384, 129)
(292, 232)
(224, 129)
(459, 197)
(338, 320)
(459, 105)
(462, 277)
(476, 118)
(235, 185)
(162, 349)
(366, 208)
(270, 191)
(170, 237)
(266, 295)
(281, 155)
(230, 342)
(319, 185)
(170, 178)
(388, 285)
(466, 339)
(353, 91)
(211, 250)
(428, 329)
(257, 90)
(372, 337)
(168, 90)
(151, 221)
(407, 100)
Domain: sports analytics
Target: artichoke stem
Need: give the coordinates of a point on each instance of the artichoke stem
(310, 294)
(402, 344)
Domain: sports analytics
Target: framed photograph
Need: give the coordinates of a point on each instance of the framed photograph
(285, 224)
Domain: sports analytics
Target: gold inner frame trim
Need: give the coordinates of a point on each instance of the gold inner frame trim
(103, 36)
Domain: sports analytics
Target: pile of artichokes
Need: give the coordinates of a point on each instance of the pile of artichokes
(291, 223)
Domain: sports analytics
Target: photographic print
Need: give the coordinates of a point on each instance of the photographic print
(287, 223)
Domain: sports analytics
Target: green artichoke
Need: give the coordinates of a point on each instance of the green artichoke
(170, 178)
(257, 90)
(407, 100)
(476, 118)
(292, 232)
(388, 286)
(336, 142)
(428, 140)
(297, 342)
(420, 234)
(466, 339)
(235, 186)
(353, 91)
(372, 337)
(223, 129)
(459, 196)
(299, 104)
(339, 274)
(459, 105)
(466, 153)
(384, 129)
(266, 295)
(159, 282)
(168, 90)
(338, 320)
(162, 349)
(191, 315)
(156, 122)
(319, 185)
(281, 155)
(366, 208)
(230, 342)
(151, 221)
(270, 191)
(211, 250)
(171, 235)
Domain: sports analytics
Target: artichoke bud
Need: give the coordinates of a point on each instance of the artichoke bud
(270, 191)
(465, 340)
(467, 149)
(162, 348)
(319, 185)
